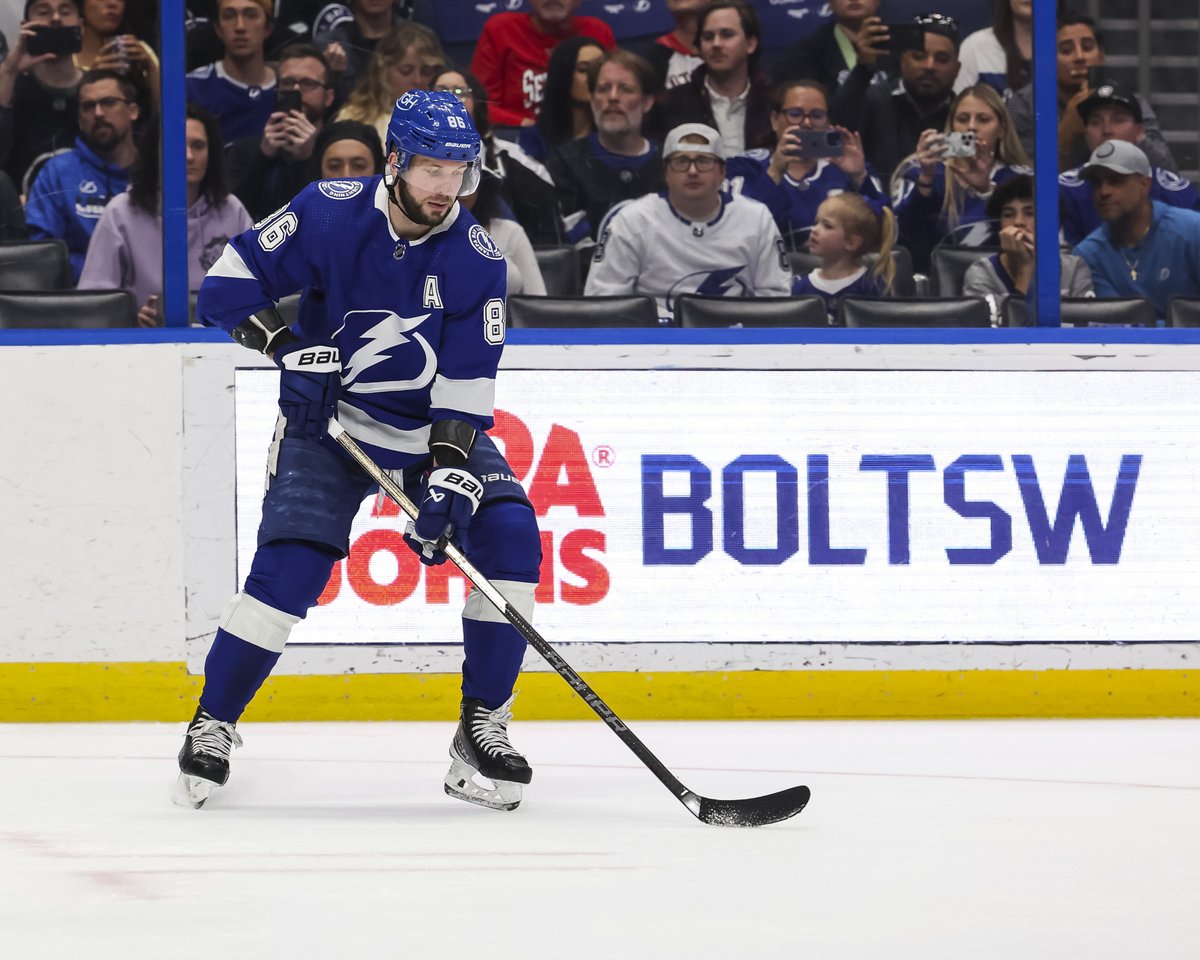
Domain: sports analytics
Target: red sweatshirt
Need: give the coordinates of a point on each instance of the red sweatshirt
(511, 58)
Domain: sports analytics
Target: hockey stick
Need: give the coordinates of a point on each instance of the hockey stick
(752, 812)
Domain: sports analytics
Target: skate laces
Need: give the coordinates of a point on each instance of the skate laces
(489, 729)
(214, 737)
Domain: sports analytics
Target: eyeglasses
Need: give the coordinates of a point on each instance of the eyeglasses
(306, 84)
(796, 115)
(704, 163)
(461, 92)
(104, 103)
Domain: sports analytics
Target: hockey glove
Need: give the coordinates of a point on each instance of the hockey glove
(309, 386)
(451, 498)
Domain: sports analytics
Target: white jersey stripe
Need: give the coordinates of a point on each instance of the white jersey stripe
(366, 429)
(230, 264)
(467, 396)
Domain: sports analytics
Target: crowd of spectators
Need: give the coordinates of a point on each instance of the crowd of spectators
(687, 166)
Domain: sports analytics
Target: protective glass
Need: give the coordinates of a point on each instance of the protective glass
(444, 178)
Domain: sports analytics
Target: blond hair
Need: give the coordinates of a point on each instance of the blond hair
(857, 218)
(371, 97)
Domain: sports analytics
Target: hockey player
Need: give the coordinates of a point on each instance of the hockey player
(400, 329)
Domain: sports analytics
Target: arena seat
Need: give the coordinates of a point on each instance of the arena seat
(903, 286)
(67, 309)
(696, 311)
(567, 312)
(1086, 312)
(949, 266)
(1183, 311)
(34, 265)
(560, 270)
(897, 312)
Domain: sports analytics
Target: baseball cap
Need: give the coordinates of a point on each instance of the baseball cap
(1120, 156)
(1109, 94)
(711, 144)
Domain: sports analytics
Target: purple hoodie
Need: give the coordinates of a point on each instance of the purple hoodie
(126, 247)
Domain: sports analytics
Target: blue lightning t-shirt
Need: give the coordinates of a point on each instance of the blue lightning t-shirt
(419, 323)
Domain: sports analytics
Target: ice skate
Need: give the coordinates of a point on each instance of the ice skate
(204, 759)
(484, 767)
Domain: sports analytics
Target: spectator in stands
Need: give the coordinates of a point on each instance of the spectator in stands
(487, 206)
(1111, 113)
(348, 149)
(616, 162)
(855, 38)
(1081, 47)
(239, 89)
(39, 93)
(107, 47)
(692, 239)
(1010, 272)
(727, 90)
(846, 230)
(674, 55)
(1000, 55)
(790, 182)
(566, 111)
(513, 54)
(127, 252)
(348, 42)
(12, 216)
(945, 200)
(265, 172)
(526, 186)
(408, 58)
(1144, 248)
(891, 119)
(73, 187)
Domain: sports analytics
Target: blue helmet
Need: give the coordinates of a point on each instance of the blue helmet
(435, 124)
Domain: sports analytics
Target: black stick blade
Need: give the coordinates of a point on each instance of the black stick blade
(756, 811)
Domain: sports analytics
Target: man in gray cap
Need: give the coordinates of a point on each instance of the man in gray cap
(1144, 248)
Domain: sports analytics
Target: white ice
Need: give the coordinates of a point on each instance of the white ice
(965, 840)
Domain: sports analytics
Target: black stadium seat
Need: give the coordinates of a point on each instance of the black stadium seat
(949, 266)
(34, 265)
(895, 312)
(1087, 311)
(695, 311)
(567, 312)
(67, 309)
(902, 286)
(1183, 311)
(560, 270)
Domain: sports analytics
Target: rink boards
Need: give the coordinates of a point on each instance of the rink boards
(758, 530)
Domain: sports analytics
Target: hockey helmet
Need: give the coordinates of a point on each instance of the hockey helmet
(435, 124)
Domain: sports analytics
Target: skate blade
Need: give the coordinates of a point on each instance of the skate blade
(192, 791)
(464, 782)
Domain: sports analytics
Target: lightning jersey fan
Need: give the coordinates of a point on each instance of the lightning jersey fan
(647, 247)
(389, 305)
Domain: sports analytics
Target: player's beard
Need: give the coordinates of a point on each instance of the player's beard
(412, 209)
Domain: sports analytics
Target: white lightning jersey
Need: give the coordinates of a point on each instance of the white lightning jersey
(647, 247)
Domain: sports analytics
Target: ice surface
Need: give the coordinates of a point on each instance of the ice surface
(964, 840)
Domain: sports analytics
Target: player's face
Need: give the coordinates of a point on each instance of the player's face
(103, 16)
(554, 12)
(105, 117)
(1112, 123)
(1077, 50)
(196, 151)
(975, 115)
(579, 79)
(413, 71)
(693, 184)
(619, 103)
(428, 189)
(724, 46)
(1019, 213)
(930, 73)
(242, 26)
(347, 158)
(308, 76)
(1117, 195)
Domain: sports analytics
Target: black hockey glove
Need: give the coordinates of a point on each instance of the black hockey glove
(309, 386)
(451, 498)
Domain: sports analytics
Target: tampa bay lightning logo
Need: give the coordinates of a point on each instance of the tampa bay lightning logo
(408, 100)
(384, 342)
(482, 241)
(340, 189)
(710, 283)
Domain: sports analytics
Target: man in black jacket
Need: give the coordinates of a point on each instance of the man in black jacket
(855, 37)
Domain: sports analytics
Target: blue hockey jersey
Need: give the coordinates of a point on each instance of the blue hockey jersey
(420, 324)
(1079, 216)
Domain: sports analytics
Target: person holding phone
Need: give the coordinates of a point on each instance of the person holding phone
(855, 39)
(106, 46)
(39, 86)
(811, 160)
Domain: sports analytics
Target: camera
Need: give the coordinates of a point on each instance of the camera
(818, 144)
(960, 144)
(905, 36)
(59, 41)
(286, 100)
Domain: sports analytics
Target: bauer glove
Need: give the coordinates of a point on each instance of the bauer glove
(309, 386)
(451, 498)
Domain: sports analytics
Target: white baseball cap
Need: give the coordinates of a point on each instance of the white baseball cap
(711, 144)
(1119, 156)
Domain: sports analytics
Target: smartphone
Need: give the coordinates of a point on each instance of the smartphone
(1096, 77)
(286, 100)
(960, 144)
(59, 41)
(905, 36)
(817, 144)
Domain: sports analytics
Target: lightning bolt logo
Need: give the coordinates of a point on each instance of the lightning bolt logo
(385, 341)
